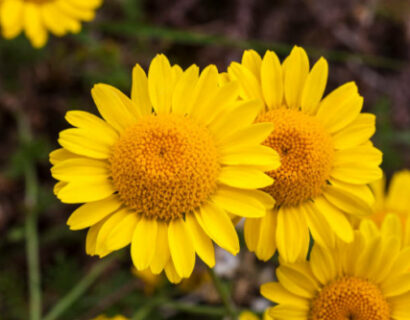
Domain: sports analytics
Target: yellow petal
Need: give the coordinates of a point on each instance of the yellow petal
(91, 239)
(62, 154)
(33, 25)
(238, 202)
(292, 235)
(78, 13)
(252, 60)
(272, 80)
(139, 90)
(321, 232)
(335, 218)
(78, 169)
(117, 109)
(263, 157)
(369, 229)
(143, 243)
(162, 254)
(250, 86)
(275, 292)
(295, 72)
(340, 107)
(84, 142)
(314, 87)
(160, 84)
(352, 199)
(101, 247)
(181, 248)
(121, 233)
(357, 133)
(184, 90)
(358, 165)
(202, 243)
(216, 223)
(91, 213)
(398, 195)
(249, 136)
(266, 246)
(86, 120)
(213, 103)
(322, 264)
(171, 273)
(239, 117)
(244, 177)
(392, 226)
(251, 232)
(297, 279)
(86, 191)
(11, 18)
(204, 90)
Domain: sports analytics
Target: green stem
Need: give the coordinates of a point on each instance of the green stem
(31, 232)
(79, 289)
(224, 294)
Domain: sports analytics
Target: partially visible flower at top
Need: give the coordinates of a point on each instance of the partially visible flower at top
(326, 157)
(366, 279)
(117, 317)
(165, 170)
(248, 315)
(151, 281)
(395, 200)
(38, 17)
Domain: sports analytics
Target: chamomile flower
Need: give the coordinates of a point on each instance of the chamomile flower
(362, 280)
(326, 157)
(38, 17)
(165, 170)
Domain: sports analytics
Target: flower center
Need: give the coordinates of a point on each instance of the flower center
(350, 298)
(165, 166)
(306, 152)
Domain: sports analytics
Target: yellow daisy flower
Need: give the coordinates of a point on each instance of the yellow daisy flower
(165, 169)
(326, 157)
(37, 17)
(248, 315)
(117, 317)
(361, 280)
(396, 200)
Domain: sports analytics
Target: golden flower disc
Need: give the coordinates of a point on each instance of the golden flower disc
(306, 152)
(350, 298)
(165, 166)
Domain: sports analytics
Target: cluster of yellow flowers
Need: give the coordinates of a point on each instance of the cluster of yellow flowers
(171, 170)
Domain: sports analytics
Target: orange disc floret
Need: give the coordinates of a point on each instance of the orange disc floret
(350, 298)
(306, 152)
(165, 166)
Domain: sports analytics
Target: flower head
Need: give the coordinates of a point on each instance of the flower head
(395, 200)
(364, 279)
(37, 17)
(326, 157)
(165, 170)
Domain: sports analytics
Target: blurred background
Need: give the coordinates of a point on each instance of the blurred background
(367, 41)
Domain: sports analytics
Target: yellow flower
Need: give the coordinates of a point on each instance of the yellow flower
(362, 280)
(248, 315)
(151, 281)
(165, 169)
(117, 317)
(397, 199)
(37, 17)
(327, 159)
